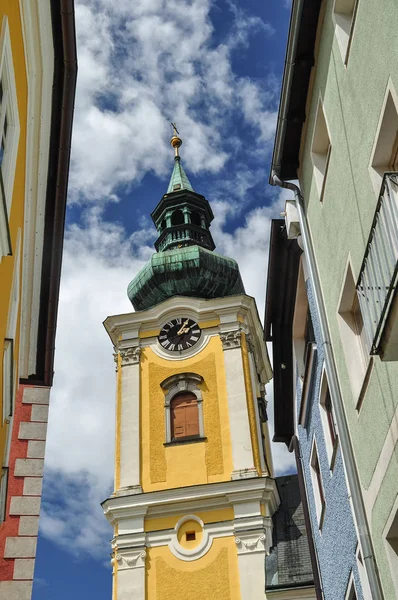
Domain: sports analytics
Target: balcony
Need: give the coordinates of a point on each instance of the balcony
(378, 278)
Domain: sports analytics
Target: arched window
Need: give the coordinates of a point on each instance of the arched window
(184, 416)
(177, 218)
(195, 219)
(183, 407)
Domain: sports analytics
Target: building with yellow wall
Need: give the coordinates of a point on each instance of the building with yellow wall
(194, 485)
(37, 86)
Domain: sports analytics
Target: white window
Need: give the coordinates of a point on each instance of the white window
(9, 135)
(8, 379)
(321, 149)
(351, 593)
(391, 541)
(328, 420)
(385, 151)
(317, 485)
(353, 336)
(344, 12)
(3, 493)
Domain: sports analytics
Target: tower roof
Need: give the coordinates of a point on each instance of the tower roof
(184, 264)
(179, 180)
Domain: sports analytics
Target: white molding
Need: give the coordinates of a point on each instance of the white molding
(184, 553)
(193, 499)
(383, 462)
(376, 171)
(39, 58)
(7, 76)
(158, 349)
(174, 385)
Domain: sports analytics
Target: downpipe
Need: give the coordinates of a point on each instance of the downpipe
(334, 386)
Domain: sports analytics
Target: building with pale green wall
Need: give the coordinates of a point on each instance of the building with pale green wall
(337, 135)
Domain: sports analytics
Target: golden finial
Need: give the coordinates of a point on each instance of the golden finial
(175, 141)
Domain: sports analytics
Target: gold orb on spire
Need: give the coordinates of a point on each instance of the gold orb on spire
(175, 141)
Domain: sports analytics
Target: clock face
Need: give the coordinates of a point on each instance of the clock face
(179, 334)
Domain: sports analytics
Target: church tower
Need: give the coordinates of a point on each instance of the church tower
(194, 489)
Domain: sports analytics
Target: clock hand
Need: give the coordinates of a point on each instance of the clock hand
(183, 330)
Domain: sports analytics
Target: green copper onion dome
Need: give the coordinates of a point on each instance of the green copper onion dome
(184, 264)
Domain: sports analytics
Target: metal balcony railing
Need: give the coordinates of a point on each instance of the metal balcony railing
(379, 272)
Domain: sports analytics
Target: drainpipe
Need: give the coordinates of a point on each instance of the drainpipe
(295, 446)
(334, 386)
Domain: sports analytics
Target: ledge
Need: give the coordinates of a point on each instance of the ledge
(187, 440)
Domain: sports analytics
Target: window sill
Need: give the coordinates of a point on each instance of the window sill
(186, 440)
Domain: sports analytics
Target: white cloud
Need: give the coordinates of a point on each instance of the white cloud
(142, 64)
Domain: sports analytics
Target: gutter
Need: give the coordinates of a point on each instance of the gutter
(288, 72)
(57, 188)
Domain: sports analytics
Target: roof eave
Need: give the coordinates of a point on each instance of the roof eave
(65, 74)
(299, 61)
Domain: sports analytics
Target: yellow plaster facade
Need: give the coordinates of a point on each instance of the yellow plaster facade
(216, 575)
(166, 467)
(210, 516)
(9, 9)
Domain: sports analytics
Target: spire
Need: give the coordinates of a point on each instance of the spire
(184, 263)
(179, 180)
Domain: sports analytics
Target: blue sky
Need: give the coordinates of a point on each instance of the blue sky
(214, 67)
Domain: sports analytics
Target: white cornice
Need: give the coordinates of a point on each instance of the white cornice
(200, 497)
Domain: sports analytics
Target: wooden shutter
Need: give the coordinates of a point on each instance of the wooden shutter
(184, 416)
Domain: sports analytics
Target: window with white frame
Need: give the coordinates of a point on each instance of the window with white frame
(328, 420)
(3, 493)
(9, 135)
(351, 593)
(8, 379)
(321, 149)
(317, 485)
(183, 408)
(344, 12)
(391, 541)
(353, 335)
(385, 151)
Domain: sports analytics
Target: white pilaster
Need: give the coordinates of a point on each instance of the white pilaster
(130, 419)
(251, 561)
(242, 452)
(131, 574)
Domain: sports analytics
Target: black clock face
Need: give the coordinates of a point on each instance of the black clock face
(179, 334)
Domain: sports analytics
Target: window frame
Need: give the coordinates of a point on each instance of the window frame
(356, 350)
(8, 379)
(351, 590)
(174, 385)
(329, 425)
(320, 158)
(317, 485)
(7, 79)
(384, 151)
(391, 552)
(344, 45)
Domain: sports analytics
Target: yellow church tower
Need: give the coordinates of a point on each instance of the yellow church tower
(194, 489)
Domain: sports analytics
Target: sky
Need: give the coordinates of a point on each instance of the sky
(214, 67)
